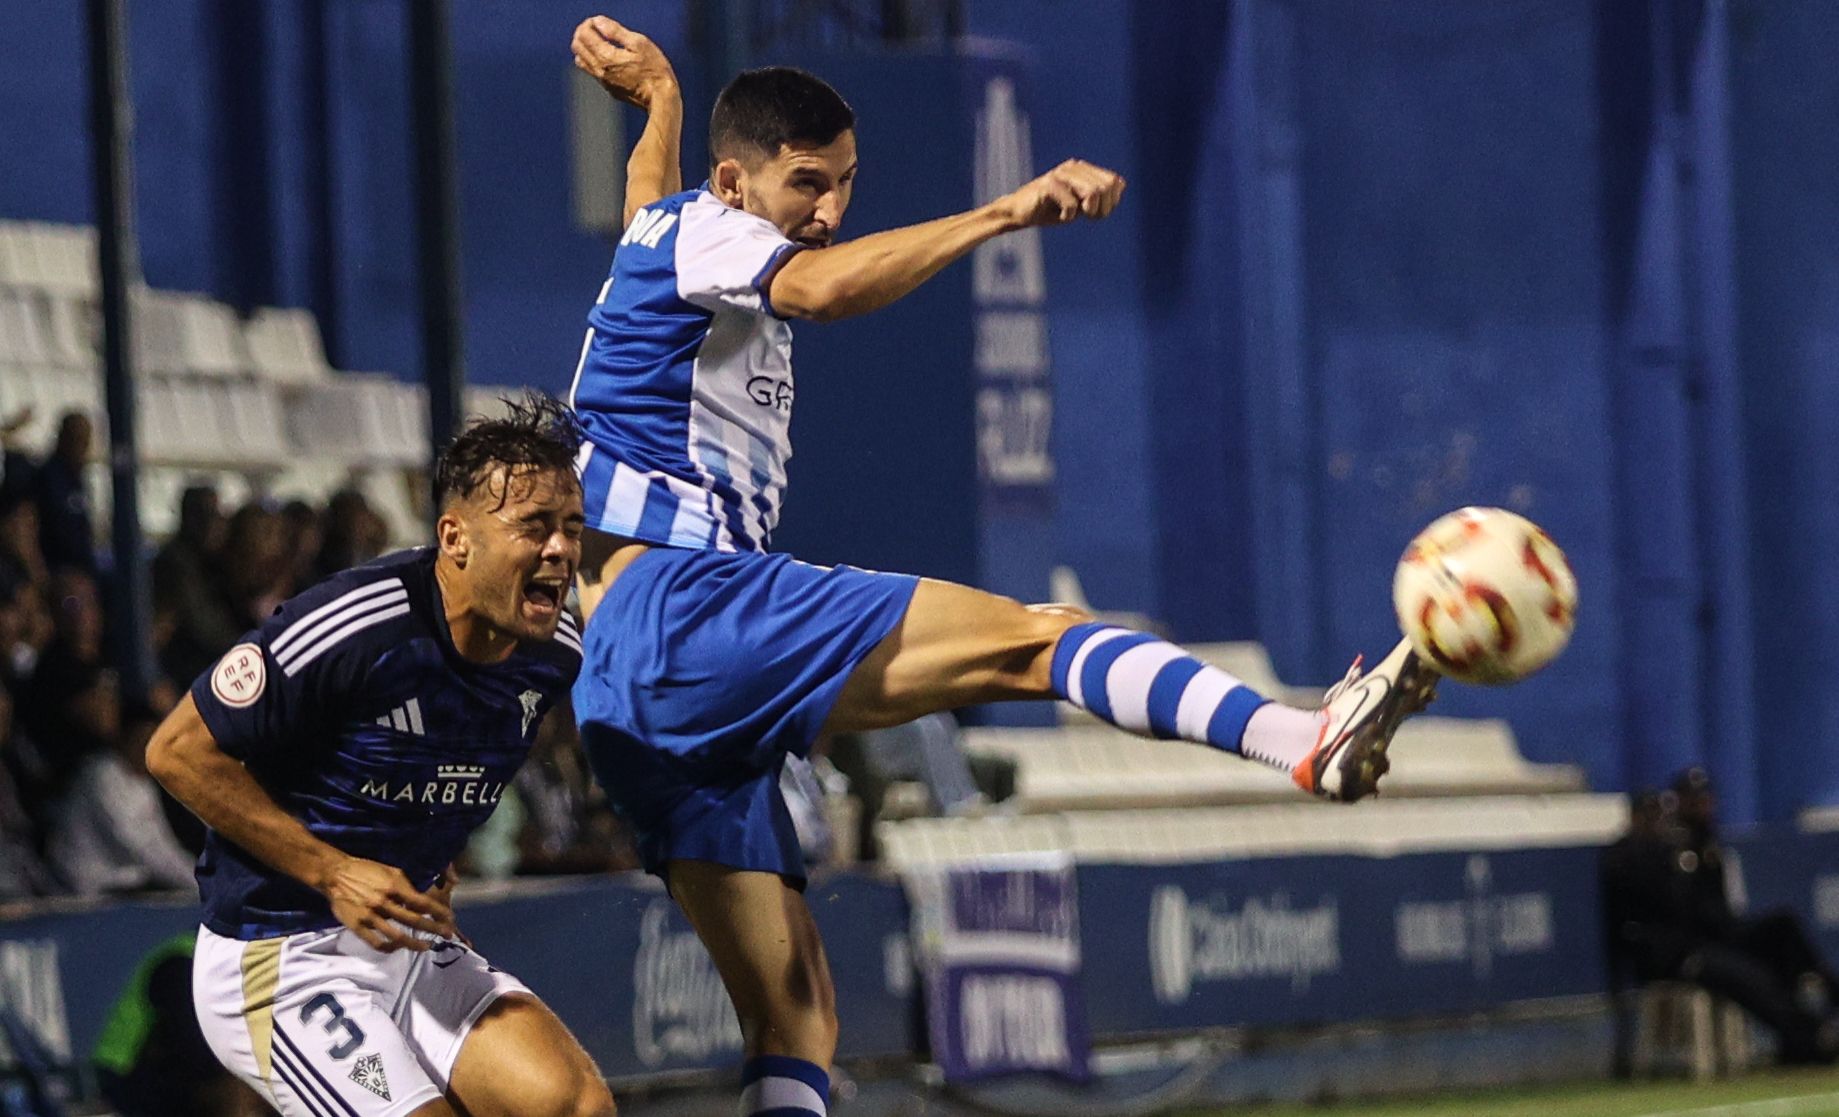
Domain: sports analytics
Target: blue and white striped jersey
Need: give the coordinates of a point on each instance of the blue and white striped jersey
(355, 711)
(684, 389)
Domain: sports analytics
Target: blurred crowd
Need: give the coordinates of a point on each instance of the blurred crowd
(78, 813)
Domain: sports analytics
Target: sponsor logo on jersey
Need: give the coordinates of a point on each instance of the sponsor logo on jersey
(770, 391)
(453, 785)
(405, 718)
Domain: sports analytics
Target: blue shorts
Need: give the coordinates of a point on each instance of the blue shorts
(703, 669)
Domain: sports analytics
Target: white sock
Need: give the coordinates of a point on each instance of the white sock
(1281, 736)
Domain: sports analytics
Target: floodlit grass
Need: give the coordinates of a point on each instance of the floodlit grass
(1767, 1094)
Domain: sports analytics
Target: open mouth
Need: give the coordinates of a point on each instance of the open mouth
(543, 598)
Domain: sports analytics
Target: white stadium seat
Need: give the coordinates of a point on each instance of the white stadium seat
(284, 346)
(24, 329)
(14, 269)
(59, 259)
(365, 419)
(64, 259)
(211, 339)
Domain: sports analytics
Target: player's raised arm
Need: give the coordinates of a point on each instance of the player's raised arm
(366, 896)
(858, 276)
(632, 68)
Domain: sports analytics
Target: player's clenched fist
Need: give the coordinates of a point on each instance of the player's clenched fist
(626, 63)
(377, 902)
(1072, 189)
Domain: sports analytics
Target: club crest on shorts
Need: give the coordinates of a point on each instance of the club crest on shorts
(240, 676)
(368, 1073)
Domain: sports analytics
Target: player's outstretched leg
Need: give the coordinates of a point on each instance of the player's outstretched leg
(519, 1060)
(766, 948)
(959, 646)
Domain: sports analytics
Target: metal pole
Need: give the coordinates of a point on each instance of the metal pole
(111, 144)
(437, 211)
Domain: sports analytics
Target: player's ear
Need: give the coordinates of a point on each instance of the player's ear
(725, 181)
(450, 532)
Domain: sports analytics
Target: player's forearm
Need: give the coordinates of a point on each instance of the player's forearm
(655, 168)
(863, 275)
(218, 789)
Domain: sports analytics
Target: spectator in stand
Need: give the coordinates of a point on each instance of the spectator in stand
(20, 557)
(1669, 916)
(64, 533)
(252, 567)
(189, 606)
(109, 831)
(60, 709)
(16, 470)
(354, 533)
(303, 540)
(23, 872)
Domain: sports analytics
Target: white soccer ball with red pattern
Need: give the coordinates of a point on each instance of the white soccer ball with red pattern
(1485, 596)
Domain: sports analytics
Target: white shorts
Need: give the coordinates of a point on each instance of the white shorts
(325, 1026)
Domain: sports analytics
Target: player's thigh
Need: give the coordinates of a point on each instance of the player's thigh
(300, 1021)
(765, 945)
(956, 646)
(520, 1060)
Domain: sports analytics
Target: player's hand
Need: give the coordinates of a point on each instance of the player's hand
(443, 891)
(381, 907)
(1073, 189)
(624, 62)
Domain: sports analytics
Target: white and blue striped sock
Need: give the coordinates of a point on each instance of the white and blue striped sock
(781, 1086)
(1146, 685)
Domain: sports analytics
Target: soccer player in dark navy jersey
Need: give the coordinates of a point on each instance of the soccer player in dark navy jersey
(342, 754)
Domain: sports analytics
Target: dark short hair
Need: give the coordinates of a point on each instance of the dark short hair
(537, 432)
(763, 110)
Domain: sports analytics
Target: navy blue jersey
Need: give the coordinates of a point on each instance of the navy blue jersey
(352, 707)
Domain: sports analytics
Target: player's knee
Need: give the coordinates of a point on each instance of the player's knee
(575, 1095)
(1024, 664)
(594, 1101)
(1057, 616)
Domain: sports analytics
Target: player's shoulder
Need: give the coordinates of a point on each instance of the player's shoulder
(700, 208)
(563, 651)
(366, 606)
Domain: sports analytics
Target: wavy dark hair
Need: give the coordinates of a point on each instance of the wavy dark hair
(537, 432)
(763, 110)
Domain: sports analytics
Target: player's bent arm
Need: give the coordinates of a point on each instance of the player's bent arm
(863, 275)
(631, 68)
(855, 277)
(365, 895)
(655, 169)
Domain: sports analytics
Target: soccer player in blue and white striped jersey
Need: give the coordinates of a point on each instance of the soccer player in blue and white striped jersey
(341, 755)
(710, 658)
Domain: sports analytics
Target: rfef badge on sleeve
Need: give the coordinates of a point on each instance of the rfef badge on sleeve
(240, 676)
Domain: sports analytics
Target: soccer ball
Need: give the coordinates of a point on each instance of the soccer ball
(1485, 596)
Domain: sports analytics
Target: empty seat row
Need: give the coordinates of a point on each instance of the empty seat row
(173, 333)
(1377, 828)
(1095, 766)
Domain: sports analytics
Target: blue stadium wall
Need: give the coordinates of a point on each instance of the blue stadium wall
(1378, 261)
